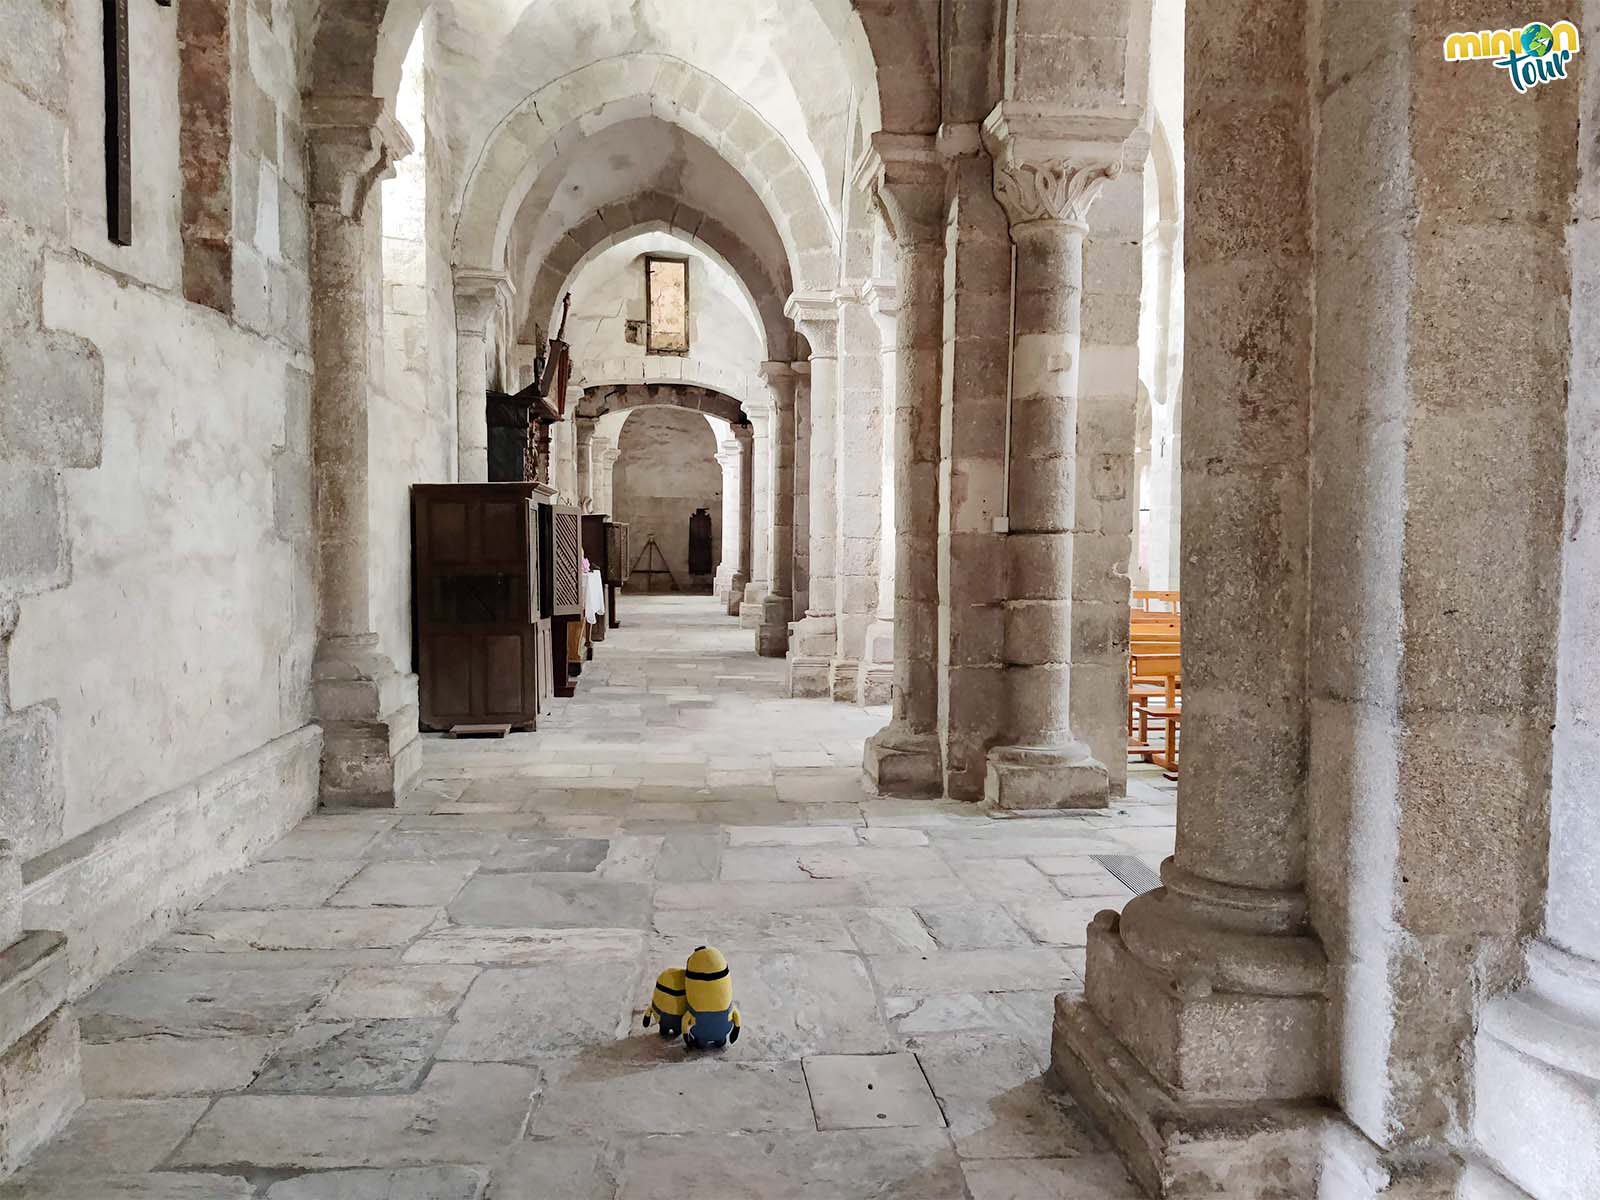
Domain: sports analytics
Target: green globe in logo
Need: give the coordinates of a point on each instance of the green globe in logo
(1537, 39)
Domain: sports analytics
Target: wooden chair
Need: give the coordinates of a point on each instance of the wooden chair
(1155, 694)
(1168, 603)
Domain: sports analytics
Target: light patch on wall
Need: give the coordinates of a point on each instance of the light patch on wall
(666, 283)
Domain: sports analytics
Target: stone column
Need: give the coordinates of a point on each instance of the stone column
(908, 180)
(772, 638)
(1046, 182)
(759, 410)
(39, 1065)
(583, 428)
(480, 297)
(604, 457)
(1200, 1038)
(974, 417)
(800, 591)
(815, 636)
(877, 654)
(367, 709)
(859, 480)
(729, 459)
(744, 436)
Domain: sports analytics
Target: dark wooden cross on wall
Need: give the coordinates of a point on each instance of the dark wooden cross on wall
(119, 122)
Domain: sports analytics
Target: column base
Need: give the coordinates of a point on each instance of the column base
(371, 747)
(844, 680)
(1173, 1150)
(877, 685)
(1045, 779)
(755, 595)
(735, 597)
(40, 1085)
(877, 665)
(811, 647)
(904, 764)
(1353, 1168)
(772, 638)
(1537, 1065)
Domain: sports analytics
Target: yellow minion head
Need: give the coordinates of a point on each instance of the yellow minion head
(706, 981)
(668, 999)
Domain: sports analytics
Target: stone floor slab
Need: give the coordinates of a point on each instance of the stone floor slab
(970, 971)
(357, 1056)
(292, 884)
(401, 884)
(157, 1067)
(972, 926)
(302, 929)
(406, 1183)
(793, 1005)
(711, 1091)
(891, 1164)
(396, 992)
(1100, 1177)
(158, 1186)
(202, 1000)
(525, 947)
(463, 1113)
(551, 901)
(518, 1015)
(870, 1091)
(551, 854)
(120, 1136)
(553, 1169)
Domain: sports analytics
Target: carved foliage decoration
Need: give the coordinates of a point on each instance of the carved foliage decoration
(1052, 189)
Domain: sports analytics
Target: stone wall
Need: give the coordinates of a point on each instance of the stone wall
(667, 470)
(412, 428)
(154, 468)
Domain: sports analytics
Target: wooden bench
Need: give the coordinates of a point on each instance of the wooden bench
(1155, 694)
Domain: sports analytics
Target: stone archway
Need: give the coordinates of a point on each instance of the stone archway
(655, 211)
(602, 94)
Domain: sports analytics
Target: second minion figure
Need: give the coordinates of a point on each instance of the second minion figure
(710, 1018)
(666, 1004)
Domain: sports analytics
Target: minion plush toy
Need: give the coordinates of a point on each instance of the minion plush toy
(666, 1005)
(710, 1018)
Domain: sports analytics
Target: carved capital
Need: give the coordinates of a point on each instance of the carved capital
(816, 315)
(781, 380)
(355, 142)
(904, 174)
(1052, 168)
(479, 295)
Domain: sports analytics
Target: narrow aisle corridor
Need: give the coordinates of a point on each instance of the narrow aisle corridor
(444, 1003)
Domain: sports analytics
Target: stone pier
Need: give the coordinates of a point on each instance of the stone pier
(772, 637)
(1048, 173)
(480, 297)
(367, 708)
(744, 435)
(815, 637)
(908, 179)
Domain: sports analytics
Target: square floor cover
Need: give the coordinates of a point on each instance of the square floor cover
(870, 1091)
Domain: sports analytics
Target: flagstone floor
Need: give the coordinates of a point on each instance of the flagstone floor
(444, 1003)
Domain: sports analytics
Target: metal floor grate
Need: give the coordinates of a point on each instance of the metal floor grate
(1130, 872)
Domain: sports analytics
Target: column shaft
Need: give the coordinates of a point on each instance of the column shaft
(744, 435)
(903, 758)
(1210, 990)
(728, 457)
(772, 639)
(877, 654)
(815, 637)
(368, 710)
(755, 591)
(859, 483)
(1041, 764)
(584, 429)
